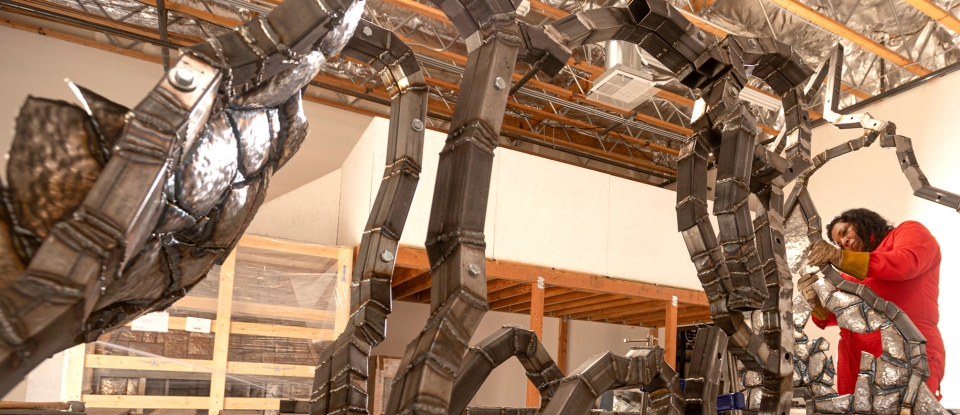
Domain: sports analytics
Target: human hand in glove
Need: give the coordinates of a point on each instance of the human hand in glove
(823, 253)
(851, 263)
(805, 285)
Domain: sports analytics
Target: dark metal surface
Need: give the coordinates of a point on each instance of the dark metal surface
(507, 342)
(342, 373)
(140, 203)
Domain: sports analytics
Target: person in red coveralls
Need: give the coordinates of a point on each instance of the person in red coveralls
(901, 265)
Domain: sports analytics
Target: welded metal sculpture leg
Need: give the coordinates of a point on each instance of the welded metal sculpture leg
(507, 342)
(703, 378)
(340, 378)
(455, 241)
(642, 367)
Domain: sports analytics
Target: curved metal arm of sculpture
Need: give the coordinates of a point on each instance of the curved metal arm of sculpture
(341, 375)
(642, 367)
(703, 375)
(152, 200)
(455, 241)
(505, 343)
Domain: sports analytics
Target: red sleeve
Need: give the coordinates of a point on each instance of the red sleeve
(823, 324)
(914, 250)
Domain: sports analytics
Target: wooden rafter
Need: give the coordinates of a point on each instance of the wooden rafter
(575, 307)
(805, 12)
(937, 13)
(414, 257)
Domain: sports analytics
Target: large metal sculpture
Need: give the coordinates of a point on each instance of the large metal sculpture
(113, 212)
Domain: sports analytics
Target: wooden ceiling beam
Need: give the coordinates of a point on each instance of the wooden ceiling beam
(409, 256)
(626, 310)
(596, 314)
(937, 13)
(819, 19)
(415, 285)
(698, 5)
(641, 314)
(518, 290)
(556, 308)
(522, 303)
(402, 275)
(596, 305)
(688, 313)
(494, 284)
(551, 292)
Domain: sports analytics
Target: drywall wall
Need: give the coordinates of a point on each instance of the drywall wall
(539, 212)
(871, 178)
(310, 214)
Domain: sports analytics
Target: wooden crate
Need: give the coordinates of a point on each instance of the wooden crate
(81, 361)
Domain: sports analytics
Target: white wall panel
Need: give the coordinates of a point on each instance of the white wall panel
(551, 213)
(356, 187)
(309, 214)
(644, 244)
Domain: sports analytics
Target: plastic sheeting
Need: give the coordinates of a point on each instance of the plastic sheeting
(284, 308)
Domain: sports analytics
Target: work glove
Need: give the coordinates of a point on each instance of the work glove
(854, 264)
(805, 285)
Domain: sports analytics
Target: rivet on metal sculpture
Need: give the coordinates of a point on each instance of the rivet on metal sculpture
(131, 207)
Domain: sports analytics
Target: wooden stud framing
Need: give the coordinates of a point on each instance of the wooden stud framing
(221, 340)
(670, 334)
(536, 325)
(819, 19)
(409, 257)
(73, 378)
(219, 367)
(937, 13)
(562, 344)
(552, 298)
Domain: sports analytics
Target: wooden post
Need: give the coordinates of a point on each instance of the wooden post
(344, 279)
(221, 340)
(562, 344)
(536, 325)
(73, 378)
(670, 334)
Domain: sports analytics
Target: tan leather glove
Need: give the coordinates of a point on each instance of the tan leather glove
(823, 253)
(805, 285)
(854, 264)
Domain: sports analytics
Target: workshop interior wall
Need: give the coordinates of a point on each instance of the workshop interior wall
(871, 178)
(309, 214)
(539, 212)
(543, 212)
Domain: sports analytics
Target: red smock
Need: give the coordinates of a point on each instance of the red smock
(904, 269)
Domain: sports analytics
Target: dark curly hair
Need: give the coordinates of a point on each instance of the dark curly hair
(870, 226)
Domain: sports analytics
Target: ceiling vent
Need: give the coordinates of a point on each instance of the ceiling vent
(625, 83)
(628, 79)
